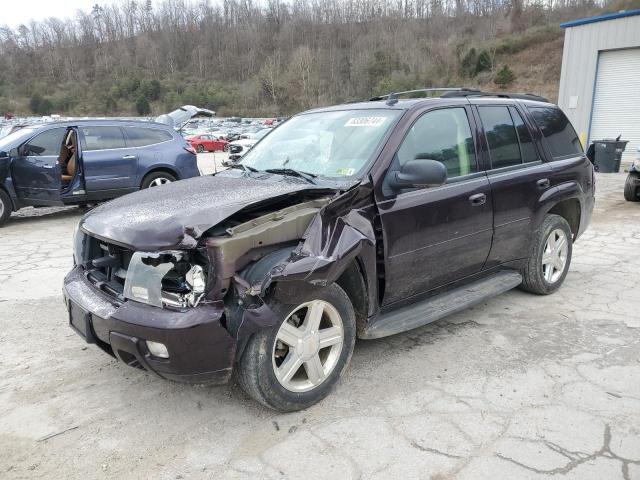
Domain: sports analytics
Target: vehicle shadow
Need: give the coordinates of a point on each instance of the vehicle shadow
(35, 215)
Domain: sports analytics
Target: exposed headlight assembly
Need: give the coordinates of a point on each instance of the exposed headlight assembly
(79, 243)
(167, 278)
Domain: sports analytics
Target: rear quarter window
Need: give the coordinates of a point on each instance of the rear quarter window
(558, 131)
(142, 136)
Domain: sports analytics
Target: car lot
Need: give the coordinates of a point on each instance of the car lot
(519, 387)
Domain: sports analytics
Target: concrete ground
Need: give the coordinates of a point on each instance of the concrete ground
(521, 387)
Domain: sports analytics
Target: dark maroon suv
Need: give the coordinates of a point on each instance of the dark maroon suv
(358, 220)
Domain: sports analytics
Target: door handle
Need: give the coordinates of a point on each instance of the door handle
(543, 183)
(129, 157)
(478, 199)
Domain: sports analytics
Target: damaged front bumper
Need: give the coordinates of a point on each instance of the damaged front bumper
(200, 349)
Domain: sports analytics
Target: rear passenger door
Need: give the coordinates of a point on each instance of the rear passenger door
(517, 176)
(108, 163)
(150, 145)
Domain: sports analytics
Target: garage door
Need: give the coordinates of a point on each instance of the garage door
(616, 104)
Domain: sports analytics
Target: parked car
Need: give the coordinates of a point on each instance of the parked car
(80, 162)
(238, 148)
(359, 220)
(632, 184)
(207, 143)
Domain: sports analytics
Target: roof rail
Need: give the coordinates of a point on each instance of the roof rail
(449, 92)
(422, 90)
(478, 93)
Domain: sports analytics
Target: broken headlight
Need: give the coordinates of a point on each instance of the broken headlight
(79, 244)
(170, 278)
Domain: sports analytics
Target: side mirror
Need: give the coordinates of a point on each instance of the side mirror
(419, 173)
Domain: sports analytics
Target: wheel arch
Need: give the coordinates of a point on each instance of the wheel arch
(565, 200)
(161, 168)
(570, 209)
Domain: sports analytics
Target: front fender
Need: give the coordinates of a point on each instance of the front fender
(6, 181)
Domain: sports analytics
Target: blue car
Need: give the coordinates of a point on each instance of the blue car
(88, 161)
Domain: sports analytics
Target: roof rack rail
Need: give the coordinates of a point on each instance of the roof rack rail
(422, 90)
(479, 93)
(452, 92)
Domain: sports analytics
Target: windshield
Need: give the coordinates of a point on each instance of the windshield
(8, 142)
(330, 144)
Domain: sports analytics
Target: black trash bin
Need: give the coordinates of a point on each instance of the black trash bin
(608, 154)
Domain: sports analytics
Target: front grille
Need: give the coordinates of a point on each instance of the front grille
(106, 266)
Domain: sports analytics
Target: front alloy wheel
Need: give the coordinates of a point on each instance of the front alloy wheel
(296, 362)
(308, 346)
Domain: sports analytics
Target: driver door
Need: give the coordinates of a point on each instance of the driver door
(35, 170)
(436, 235)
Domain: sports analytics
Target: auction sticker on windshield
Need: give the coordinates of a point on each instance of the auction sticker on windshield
(365, 122)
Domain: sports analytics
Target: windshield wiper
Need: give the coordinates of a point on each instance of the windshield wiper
(309, 177)
(246, 168)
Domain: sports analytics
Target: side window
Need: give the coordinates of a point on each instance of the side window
(443, 135)
(142, 137)
(560, 135)
(501, 136)
(527, 148)
(102, 138)
(46, 144)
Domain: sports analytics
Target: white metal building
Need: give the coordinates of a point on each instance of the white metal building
(600, 79)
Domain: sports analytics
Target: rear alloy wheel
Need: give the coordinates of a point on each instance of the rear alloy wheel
(295, 363)
(550, 258)
(200, 148)
(157, 179)
(632, 187)
(5, 207)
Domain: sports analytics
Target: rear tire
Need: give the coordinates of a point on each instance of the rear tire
(156, 179)
(293, 378)
(6, 207)
(550, 258)
(200, 148)
(631, 187)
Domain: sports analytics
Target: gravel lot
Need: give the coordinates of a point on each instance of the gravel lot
(521, 387)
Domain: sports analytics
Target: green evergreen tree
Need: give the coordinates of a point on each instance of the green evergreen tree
(483, 63)
(142, 106)
(504, 77)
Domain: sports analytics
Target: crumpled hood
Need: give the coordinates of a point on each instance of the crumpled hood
(177, 214)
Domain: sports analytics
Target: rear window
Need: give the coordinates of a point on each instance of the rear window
(102, 138)
(561, 137)
(142, 137)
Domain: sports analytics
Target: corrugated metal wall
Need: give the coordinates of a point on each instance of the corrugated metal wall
(580, 59)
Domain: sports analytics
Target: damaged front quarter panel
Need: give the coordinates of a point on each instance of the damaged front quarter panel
(308, 245)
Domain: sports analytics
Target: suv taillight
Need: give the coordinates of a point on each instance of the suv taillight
(191, 150)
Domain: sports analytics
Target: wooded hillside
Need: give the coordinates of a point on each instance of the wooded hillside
(275, 57)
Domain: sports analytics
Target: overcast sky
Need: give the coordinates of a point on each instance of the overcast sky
(15, 12)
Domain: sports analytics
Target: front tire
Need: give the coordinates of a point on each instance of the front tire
(5, 207)
(632, 187)
(550, 258)
(200, 149)
(157, 179)
(296, 363)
